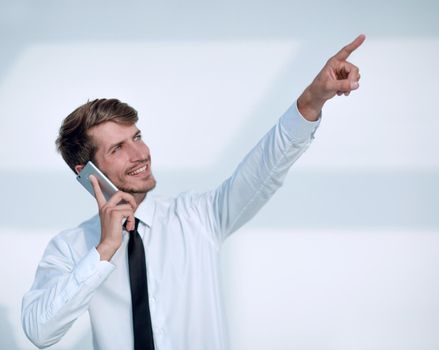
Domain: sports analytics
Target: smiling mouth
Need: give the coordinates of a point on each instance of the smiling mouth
(138, 171)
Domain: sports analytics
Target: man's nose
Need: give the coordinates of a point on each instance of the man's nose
(138, 151)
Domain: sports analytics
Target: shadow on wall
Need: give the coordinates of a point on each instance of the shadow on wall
(407, 200)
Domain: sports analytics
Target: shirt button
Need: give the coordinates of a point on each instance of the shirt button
(152, 300)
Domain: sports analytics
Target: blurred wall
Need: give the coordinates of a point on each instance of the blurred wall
(345, 255)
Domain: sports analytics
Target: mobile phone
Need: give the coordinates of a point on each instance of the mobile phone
(107, 187)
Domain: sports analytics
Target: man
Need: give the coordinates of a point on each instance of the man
(91, 268)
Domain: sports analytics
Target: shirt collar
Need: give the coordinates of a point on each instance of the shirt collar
(145, 210)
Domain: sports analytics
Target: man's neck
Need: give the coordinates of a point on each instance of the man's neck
(139, 197)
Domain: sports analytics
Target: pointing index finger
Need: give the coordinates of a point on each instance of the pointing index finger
(344, 53)
(100, 198)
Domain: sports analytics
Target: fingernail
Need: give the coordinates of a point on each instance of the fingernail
(354, 85)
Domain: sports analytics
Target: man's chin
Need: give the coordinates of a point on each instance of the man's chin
(148, 186)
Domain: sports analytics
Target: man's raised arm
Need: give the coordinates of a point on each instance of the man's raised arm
(264, 168)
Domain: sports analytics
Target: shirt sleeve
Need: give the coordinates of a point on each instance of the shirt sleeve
(260, 173)
(61, 292)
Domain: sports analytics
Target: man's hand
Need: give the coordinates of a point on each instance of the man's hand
(337, 77)
(112, 213)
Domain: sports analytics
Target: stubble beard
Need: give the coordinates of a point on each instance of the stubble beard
(149, 186)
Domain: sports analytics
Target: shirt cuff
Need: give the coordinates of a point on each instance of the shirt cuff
(91, 265)
(89, 272)
(296, 126)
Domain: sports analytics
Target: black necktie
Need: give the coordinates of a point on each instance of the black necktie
(143, 339)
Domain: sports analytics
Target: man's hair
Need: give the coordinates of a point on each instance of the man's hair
(74, 143)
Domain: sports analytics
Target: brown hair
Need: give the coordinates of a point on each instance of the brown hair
(73, 142)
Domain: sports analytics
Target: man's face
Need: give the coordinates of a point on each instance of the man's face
(122, 155)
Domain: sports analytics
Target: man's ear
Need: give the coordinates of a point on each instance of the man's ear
(78, 168)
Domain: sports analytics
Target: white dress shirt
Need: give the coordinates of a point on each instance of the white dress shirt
(182, 238)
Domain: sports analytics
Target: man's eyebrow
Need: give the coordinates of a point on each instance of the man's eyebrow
(114, 145)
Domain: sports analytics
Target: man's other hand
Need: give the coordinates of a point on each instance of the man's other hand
(337, 77)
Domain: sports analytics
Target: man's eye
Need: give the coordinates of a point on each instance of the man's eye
(115, 149)
(138, 137)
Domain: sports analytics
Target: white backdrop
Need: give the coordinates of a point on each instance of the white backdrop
(346, 255)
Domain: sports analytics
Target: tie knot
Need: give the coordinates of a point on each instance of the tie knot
(136, 224)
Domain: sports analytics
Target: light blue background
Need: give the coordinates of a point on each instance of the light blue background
(345, 255)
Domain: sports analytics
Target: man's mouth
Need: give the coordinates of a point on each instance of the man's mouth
(138, 171)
